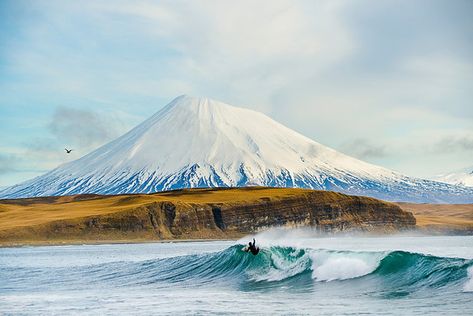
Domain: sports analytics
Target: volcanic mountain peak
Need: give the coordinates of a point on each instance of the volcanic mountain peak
(200, 142)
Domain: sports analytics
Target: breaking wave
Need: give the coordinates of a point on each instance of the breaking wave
(303, 268)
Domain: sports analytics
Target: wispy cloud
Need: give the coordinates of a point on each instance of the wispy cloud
(364, 149)
(82, 127)
(8, 164)
(450, 144)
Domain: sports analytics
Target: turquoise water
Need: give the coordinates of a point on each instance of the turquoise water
(293, 274)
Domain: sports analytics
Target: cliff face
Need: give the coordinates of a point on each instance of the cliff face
(340, 214)
(204, 213)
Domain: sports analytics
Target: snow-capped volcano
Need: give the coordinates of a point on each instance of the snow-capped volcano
(460, 177)
(199, 142)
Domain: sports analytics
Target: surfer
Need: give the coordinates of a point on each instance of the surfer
(252, 248)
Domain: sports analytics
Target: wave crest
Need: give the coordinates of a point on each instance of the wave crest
(332, 266)
(295, 267)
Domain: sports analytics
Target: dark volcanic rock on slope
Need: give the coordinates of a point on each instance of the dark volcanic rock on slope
(177, 215)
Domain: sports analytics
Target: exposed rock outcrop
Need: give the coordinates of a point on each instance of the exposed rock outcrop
(207, 213)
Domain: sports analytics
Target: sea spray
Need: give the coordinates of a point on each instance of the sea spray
(468, 287)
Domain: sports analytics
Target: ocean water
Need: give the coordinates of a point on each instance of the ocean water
(295, 273)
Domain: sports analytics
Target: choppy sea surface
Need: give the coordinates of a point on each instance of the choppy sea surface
(293, 274)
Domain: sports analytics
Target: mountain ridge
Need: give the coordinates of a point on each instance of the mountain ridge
(462, 177)
(200, 142)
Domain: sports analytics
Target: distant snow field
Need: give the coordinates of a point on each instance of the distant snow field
(461, 177)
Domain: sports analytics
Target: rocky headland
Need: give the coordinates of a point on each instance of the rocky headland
(191, 214)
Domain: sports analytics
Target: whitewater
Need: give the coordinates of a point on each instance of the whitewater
(295, 273)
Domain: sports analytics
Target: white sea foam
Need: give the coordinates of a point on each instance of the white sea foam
(342, 266)
(440, 246)
(468, 287)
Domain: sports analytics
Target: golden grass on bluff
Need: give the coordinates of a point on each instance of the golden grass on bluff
(34, 211)
(442, 216)
(193, 213)
(100, 218)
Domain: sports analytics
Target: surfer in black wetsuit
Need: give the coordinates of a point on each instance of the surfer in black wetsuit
(252, 248)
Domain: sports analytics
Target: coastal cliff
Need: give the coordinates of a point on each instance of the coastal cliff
(192, 214)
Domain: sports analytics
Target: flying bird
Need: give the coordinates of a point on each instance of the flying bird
(68, 151)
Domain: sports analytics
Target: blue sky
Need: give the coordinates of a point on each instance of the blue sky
(389, 82)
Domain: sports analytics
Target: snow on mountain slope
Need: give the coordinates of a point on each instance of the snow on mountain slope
(199, 142)
(461, 177)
